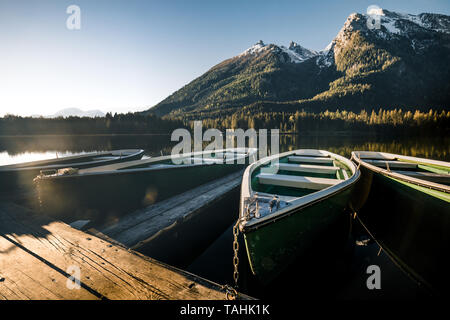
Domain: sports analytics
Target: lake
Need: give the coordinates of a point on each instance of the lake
(15, 149)
(334, 269)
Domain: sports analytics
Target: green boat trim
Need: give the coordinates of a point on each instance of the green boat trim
(438, 190)
(264, 222)
(273, 246)
(410, 224)
(429, 167)
(304, 200)
(434, 169)
(435, 193)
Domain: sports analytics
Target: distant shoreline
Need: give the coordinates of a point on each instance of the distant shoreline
(83, 135)
(300, 133)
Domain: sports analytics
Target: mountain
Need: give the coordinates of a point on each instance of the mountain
(75, 112)
(387, 60)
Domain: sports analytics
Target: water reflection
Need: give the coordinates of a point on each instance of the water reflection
(29, 148)
(433, 148)
(7, 158)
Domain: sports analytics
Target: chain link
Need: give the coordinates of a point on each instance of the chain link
(230, 292)
(236, 252)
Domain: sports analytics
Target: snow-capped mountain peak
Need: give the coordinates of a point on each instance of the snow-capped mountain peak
(256, 48)
(301, 52)
(398, 23)
(379, 23)
(295, 52)
(387, 25)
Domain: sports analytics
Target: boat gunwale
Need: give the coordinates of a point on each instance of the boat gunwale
(402, 177)
(41, 164)
(300, 202)
(120, 168)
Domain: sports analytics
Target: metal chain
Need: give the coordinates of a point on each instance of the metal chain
(236, 251)
(230, 292)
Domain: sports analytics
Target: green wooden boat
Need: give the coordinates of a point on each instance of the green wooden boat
(404, 202)
(21, 175)
(287, 202)
(111, 190)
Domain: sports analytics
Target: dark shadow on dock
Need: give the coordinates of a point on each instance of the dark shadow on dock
(51, 265)
(16, 221)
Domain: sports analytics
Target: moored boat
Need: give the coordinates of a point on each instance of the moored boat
(404, 202)
(21, 175)
(113, 189)
(287, 202)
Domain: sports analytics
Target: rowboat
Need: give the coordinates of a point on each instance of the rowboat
(287, 202)
(114, 189)
(404, 202)
(21, 175)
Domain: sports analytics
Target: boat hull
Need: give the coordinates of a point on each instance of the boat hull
(13, 178)
(100, 196)
(411, 223)
(272, 247)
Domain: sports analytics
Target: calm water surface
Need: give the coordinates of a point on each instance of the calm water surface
(20, 149)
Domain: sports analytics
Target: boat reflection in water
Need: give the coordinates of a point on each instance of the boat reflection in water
(405, 205)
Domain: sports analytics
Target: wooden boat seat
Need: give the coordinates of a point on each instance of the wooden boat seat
(307, 168)
(300, 159)
(428, 176)
(302, 182)
(162, 166)
(207, 160)
(392, 164)
(106, 158)
(373, 156)
(345, 174)
(311, 153)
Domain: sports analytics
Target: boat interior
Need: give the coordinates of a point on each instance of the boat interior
(423, 169)
(227, 156)
(207, 158)
(293, 176)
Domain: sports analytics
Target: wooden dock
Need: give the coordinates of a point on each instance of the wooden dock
(38, 257)
(172, 229)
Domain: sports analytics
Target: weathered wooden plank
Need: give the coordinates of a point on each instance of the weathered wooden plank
(36, 253)
(145, 223)
(180, 243)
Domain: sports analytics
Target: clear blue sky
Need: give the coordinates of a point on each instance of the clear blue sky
(129, 55)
